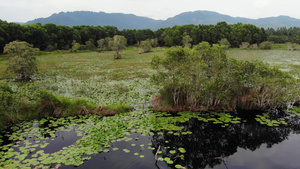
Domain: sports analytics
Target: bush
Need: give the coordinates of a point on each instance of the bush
(146, 46)
(22, 61)
(116, 108)
(254, 46)
(89, 45)
(76, 47)
(293, 46)
(245, 45)
(20, 104)
(204, 78)
(224, 42)
(266, 45)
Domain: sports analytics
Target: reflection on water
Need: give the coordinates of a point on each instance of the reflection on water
(245, 145)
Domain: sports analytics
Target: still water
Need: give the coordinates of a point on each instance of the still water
(246, 145)
(239, 146)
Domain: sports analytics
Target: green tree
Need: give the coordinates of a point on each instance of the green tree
(224, 42)
(146, 46)
(101, 44)
(245, 45)
(205, 78)
(154, 42)
(117, 44)
(22, 61)
(186, 41)
(266, 45)
(89, 45)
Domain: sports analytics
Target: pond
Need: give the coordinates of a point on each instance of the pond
(146, 140)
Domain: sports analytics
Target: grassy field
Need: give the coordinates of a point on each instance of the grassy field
(101, 79)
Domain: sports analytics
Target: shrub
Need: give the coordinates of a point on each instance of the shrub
(154, 42)
(117, 44)
(293, 46)
(205, 78)
(89, 45)
(186, 41)
(224, 42)
(6, 103)
(116, 108)
(76, 47)
(266, 45)
(146, 46)
(254, 46)
(245, 45)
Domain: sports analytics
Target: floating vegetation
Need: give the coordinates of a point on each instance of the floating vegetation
(29, 142)
(295, 111)
(264, 119)
(181, 150)
(178, 166)
(126, 150)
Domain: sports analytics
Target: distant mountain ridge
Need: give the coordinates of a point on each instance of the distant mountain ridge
(130, 21)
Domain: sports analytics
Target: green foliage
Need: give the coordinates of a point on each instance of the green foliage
(283, 35)
(6, 101)
(19, 104)
(146, 46)
(76, 47)
(89, 45)
(224, 42)
(120, 107)
(58, 37)
(206, 78)
(245, 45)
(253, 47)
(154, 42)
(22, 61)
(186, 41)
(101, 43)
(117, 44)
(266, 45)
(293, 46)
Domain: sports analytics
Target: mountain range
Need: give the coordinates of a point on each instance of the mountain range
(130, 21)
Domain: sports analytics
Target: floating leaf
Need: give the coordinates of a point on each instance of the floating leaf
(115, 149)
(126, 150)
(182, 150)
(178, 166)
(106, 150)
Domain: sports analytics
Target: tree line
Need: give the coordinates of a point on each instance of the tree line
(284, 35)
(58, 37)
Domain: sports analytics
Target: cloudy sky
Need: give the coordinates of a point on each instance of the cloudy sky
(25, 10)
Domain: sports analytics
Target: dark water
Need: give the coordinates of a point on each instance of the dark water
(238, 146)
(247, 145)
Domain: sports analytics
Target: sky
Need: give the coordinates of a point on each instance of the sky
(26, 10)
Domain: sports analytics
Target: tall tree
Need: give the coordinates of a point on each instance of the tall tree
(22, 59)
(117, 44)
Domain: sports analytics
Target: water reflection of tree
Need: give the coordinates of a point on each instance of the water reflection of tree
(210, 141)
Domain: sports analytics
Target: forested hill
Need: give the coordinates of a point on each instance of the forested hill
(130, 21)
(208, 17)
(119, 20)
